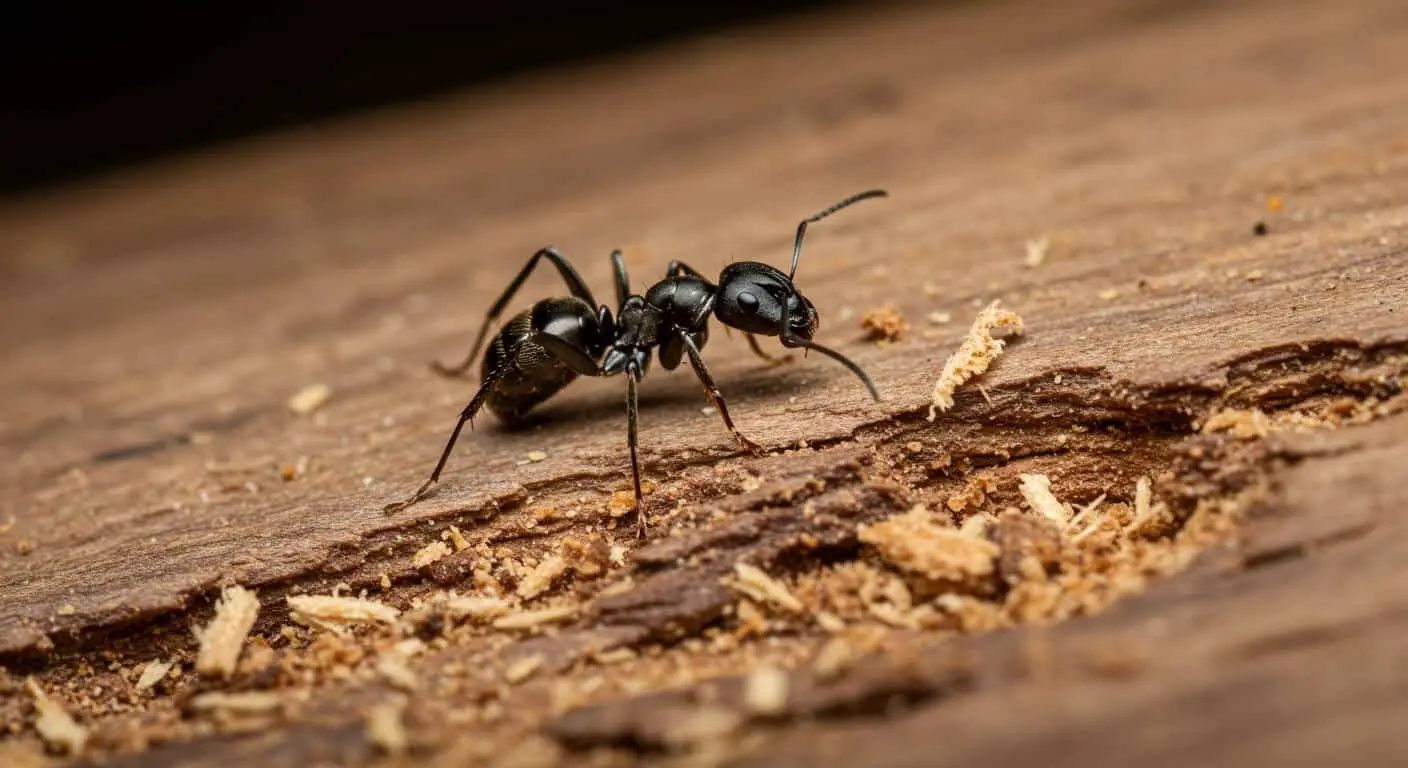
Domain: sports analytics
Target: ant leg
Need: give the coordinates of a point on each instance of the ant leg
(819, 215)
(633, 376)
(696, 360)
(467, 415)
(575, 284)
(760, 352)
(678, 268)
(622, 279)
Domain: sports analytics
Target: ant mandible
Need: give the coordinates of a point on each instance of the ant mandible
(543, 349)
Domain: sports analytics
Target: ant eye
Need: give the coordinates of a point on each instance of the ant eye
(747, 302)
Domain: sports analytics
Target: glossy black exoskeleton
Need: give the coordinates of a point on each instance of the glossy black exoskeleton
(543, 349)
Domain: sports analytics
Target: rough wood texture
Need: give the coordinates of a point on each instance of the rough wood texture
(155, 325)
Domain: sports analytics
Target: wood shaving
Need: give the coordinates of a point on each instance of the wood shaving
(702, 725)
(885, 324)
(977, 352)
(1243, 425)
(940, 318)
(309, 399)
(153, 673)
(386, 727)
(830, 622)
(1036, 252)
(531, 619)
(1109, 294)
(243, 703)
(457, 539)
(223, 638)
(394, 670)
(541, 578)
(753, 582)
(522, 669)
(55, 725)
(477, 608)
(337, 614)
(536, 456)
(833, 658)
(765, 691)
(917, 543)
(429, 554)
(1036, 489)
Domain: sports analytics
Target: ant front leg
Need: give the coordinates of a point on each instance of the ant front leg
(632, 377)
(696, 361)
(575, 284)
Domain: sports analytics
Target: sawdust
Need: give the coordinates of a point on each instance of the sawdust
(338, 614)
(222, 640)
(884, 324)
(55, 725)
(753, 582)
(430, 554)
(975, 355)
(309, 399)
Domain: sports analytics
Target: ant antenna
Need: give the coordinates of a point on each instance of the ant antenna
(802, 227)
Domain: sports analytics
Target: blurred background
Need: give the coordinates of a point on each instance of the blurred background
(89, 87)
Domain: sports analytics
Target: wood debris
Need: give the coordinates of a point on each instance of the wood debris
(884, 324)
(309, 399)
(531, 619)
(753, 582)
(541, 578)
(522, 669)
(1036, 252)
(238, 704)
(974, 355)
(337, 614)
(55, 725)
(1242, 425)
(430, 554)
(223, 638)
(386, 727)
(457, 539)
(918, 543)
(476, 607)
(154, 672)
(833, 658)
(1036, 489)
(765, 691)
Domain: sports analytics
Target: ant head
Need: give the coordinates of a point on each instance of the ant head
(753, 298)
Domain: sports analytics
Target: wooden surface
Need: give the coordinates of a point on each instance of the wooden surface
(154, 325)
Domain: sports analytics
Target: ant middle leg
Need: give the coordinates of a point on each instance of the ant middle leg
(696, 361)
(575, 284)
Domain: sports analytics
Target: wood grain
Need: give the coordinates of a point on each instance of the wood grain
(154, 324)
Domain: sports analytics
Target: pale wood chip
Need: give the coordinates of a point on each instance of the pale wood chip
(394, 670)
(386, 727)
(55, 725)
(833, 658)
(917, 543)
(522, 669)
(974, 355)
(240, 703)
(530, 619)
(476, 607)
(309, 399)
(1036, 489)
(336, 614)
(753, 582)
(1242, 425)
(765, 690)
(223, 638)
(429, 554)
(541, 578)
(457, 538)
(1036, 252)
(153, 673)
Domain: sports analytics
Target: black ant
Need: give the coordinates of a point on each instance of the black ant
(544, 348)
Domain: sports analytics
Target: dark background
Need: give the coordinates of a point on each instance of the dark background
(88, 87)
